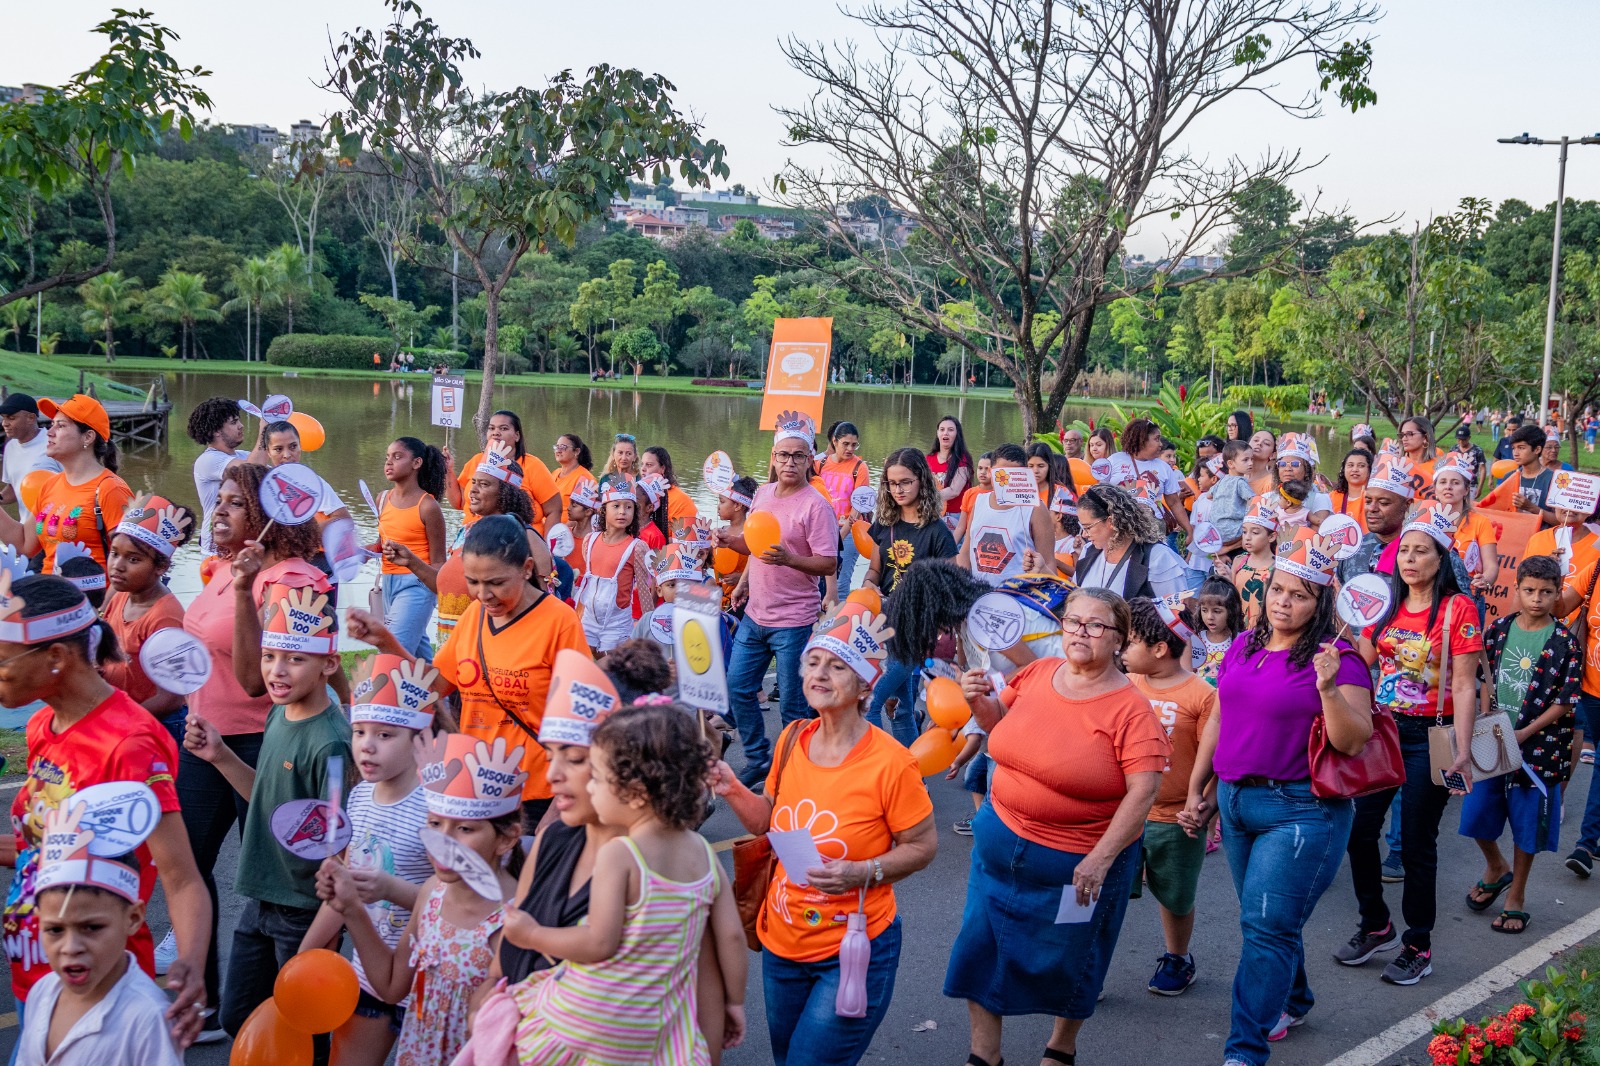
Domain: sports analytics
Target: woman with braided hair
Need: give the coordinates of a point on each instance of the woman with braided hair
(1125, 553)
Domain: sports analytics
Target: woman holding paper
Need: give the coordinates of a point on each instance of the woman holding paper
(850, 792)
(1056, 848)
(1284, 844)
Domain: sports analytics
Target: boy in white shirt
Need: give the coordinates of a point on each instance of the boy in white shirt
(96, 1006)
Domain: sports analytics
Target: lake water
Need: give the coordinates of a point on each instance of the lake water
(362, 417)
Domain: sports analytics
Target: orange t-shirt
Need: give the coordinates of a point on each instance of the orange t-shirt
(566, 484)
(66, 514)
(853, 810)
(970, 497)
(536, 482)
(129, 676)
(1182, 710)
(681, 510)
(1354, 506)
(1579, 583)
(404, 526)
(1585, 550)
(1262, 485)
(1474, 533)
(520, 655)
(1067, 803)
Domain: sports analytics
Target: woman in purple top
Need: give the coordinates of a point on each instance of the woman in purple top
(1284, 844)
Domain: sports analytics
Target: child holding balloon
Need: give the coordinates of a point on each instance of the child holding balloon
(473, 794)
(395, 702)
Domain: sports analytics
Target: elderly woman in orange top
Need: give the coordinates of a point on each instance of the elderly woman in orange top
(85, 501)
(1056, 848)
(859, 794)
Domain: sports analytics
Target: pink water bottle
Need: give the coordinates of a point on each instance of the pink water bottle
(855, 954)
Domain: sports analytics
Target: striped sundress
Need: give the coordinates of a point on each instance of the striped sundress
(637, 1007)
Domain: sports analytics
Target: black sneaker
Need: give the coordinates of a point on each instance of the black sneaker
(1581, 862)
(754, 777)
(1174, 974)
(963, 828)
(1409, 967)
(1363, 946)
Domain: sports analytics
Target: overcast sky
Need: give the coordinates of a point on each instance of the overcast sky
(1451, 76)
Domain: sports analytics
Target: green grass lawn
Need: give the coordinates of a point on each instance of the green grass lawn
(53, 375)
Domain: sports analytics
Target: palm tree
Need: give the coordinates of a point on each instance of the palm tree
(255, 286)
(14, 321)
(182, 297)
(107, 298)
(292, 278)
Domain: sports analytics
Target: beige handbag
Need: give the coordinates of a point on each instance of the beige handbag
(1494, 750)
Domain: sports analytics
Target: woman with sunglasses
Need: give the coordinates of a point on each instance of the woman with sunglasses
(1053, 822)
(574, 467)
(506, 428)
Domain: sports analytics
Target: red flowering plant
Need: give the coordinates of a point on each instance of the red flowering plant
(1545, 1029)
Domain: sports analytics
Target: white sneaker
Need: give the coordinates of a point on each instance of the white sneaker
(166, 953)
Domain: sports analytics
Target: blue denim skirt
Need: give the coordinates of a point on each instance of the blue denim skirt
(1011, 957)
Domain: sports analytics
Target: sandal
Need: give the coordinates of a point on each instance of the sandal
(1493, 888)
(1499, 924)
(973, 1059)
(1068, 1057)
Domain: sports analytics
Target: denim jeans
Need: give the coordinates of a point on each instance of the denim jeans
(267, 936)
(899, 680)
(1589, 722)
(210, 807)
(407, 610)
(1393, 838)
(1284, 847)
(800, 995)
(847, 564)
(754, 646)
(1422, 805)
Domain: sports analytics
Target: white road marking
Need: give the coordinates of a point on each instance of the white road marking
(1388, 1043)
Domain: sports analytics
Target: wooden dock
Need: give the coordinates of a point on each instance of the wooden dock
(135, 424)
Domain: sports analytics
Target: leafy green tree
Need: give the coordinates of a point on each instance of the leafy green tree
(636, 345)
(504, 173)
(255, 285)
(658, 303)
(540, 299)
(400, 316)
(182, 298)
(293, 280)
(591, 310)
(106, 298)
(564, 350)
(760, 309)
(100, 123)
(14, 319)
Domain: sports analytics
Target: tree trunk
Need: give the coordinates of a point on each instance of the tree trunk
(491, 351)
(394, 281)
(289, 303)
(110, 349)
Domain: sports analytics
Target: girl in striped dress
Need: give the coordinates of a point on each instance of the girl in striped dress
(625, 994)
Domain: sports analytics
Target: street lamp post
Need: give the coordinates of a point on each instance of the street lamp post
(1555, 258)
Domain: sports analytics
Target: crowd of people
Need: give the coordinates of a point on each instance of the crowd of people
(1192, 664)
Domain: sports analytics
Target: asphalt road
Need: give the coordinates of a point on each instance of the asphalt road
(1132, 1027)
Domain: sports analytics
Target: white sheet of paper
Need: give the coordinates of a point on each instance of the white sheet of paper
(797, 850)
(1071, 912)
(1538, 782)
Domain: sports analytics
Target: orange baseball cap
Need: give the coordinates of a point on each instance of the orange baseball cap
(82, 409)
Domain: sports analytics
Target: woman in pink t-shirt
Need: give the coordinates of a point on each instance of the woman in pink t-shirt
(225, 618)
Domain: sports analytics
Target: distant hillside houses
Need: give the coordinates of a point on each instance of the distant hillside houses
(720, 211)
(1203, 263)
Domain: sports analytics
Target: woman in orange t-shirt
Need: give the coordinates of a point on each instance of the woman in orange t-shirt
(1350, 497)
(681, 510)
(501, 653)
(506, 428)
(1052, 822)
(861, 797)
(574, 467)
(84, 502)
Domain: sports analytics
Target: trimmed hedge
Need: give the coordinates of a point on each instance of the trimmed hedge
(429, 357)
(329, 351)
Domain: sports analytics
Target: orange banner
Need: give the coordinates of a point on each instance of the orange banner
(797, 369)
(1512, 529)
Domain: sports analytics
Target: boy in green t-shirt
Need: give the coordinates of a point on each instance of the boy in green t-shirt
(1534, 668)
(305, 729)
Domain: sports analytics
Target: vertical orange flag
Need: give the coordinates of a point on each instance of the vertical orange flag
(797, 369)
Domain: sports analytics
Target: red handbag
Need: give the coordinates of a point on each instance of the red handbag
(1335, 775)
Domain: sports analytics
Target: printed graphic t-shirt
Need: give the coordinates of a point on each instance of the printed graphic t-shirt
(520, 656)
(1409, 655)
(902, 544)
(117, 741)
(1182, 710)
(853, 811)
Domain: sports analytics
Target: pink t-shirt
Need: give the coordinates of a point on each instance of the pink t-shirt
(781, 597)
(211, 619)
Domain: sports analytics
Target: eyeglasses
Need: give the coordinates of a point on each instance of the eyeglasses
(791, 457)
(629, 437)
(1091, 526)
(562, 446)
(902, 485)
(1093, 629)
(5, 663)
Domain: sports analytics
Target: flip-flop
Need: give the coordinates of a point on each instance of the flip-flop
(1498, 925)
(1494, 891)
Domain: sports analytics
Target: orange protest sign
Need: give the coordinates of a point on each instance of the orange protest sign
(1512, 530)
(797, 369)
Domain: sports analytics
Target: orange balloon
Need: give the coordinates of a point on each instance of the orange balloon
(1502, 468)
(28, 490)
(726, 560)
(946, 705)
(761, 531)
(317, 991)
(866, 596)
(312, 435)
(1082, 475)
(267, 1039)
(935, 750)
(858, 533)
